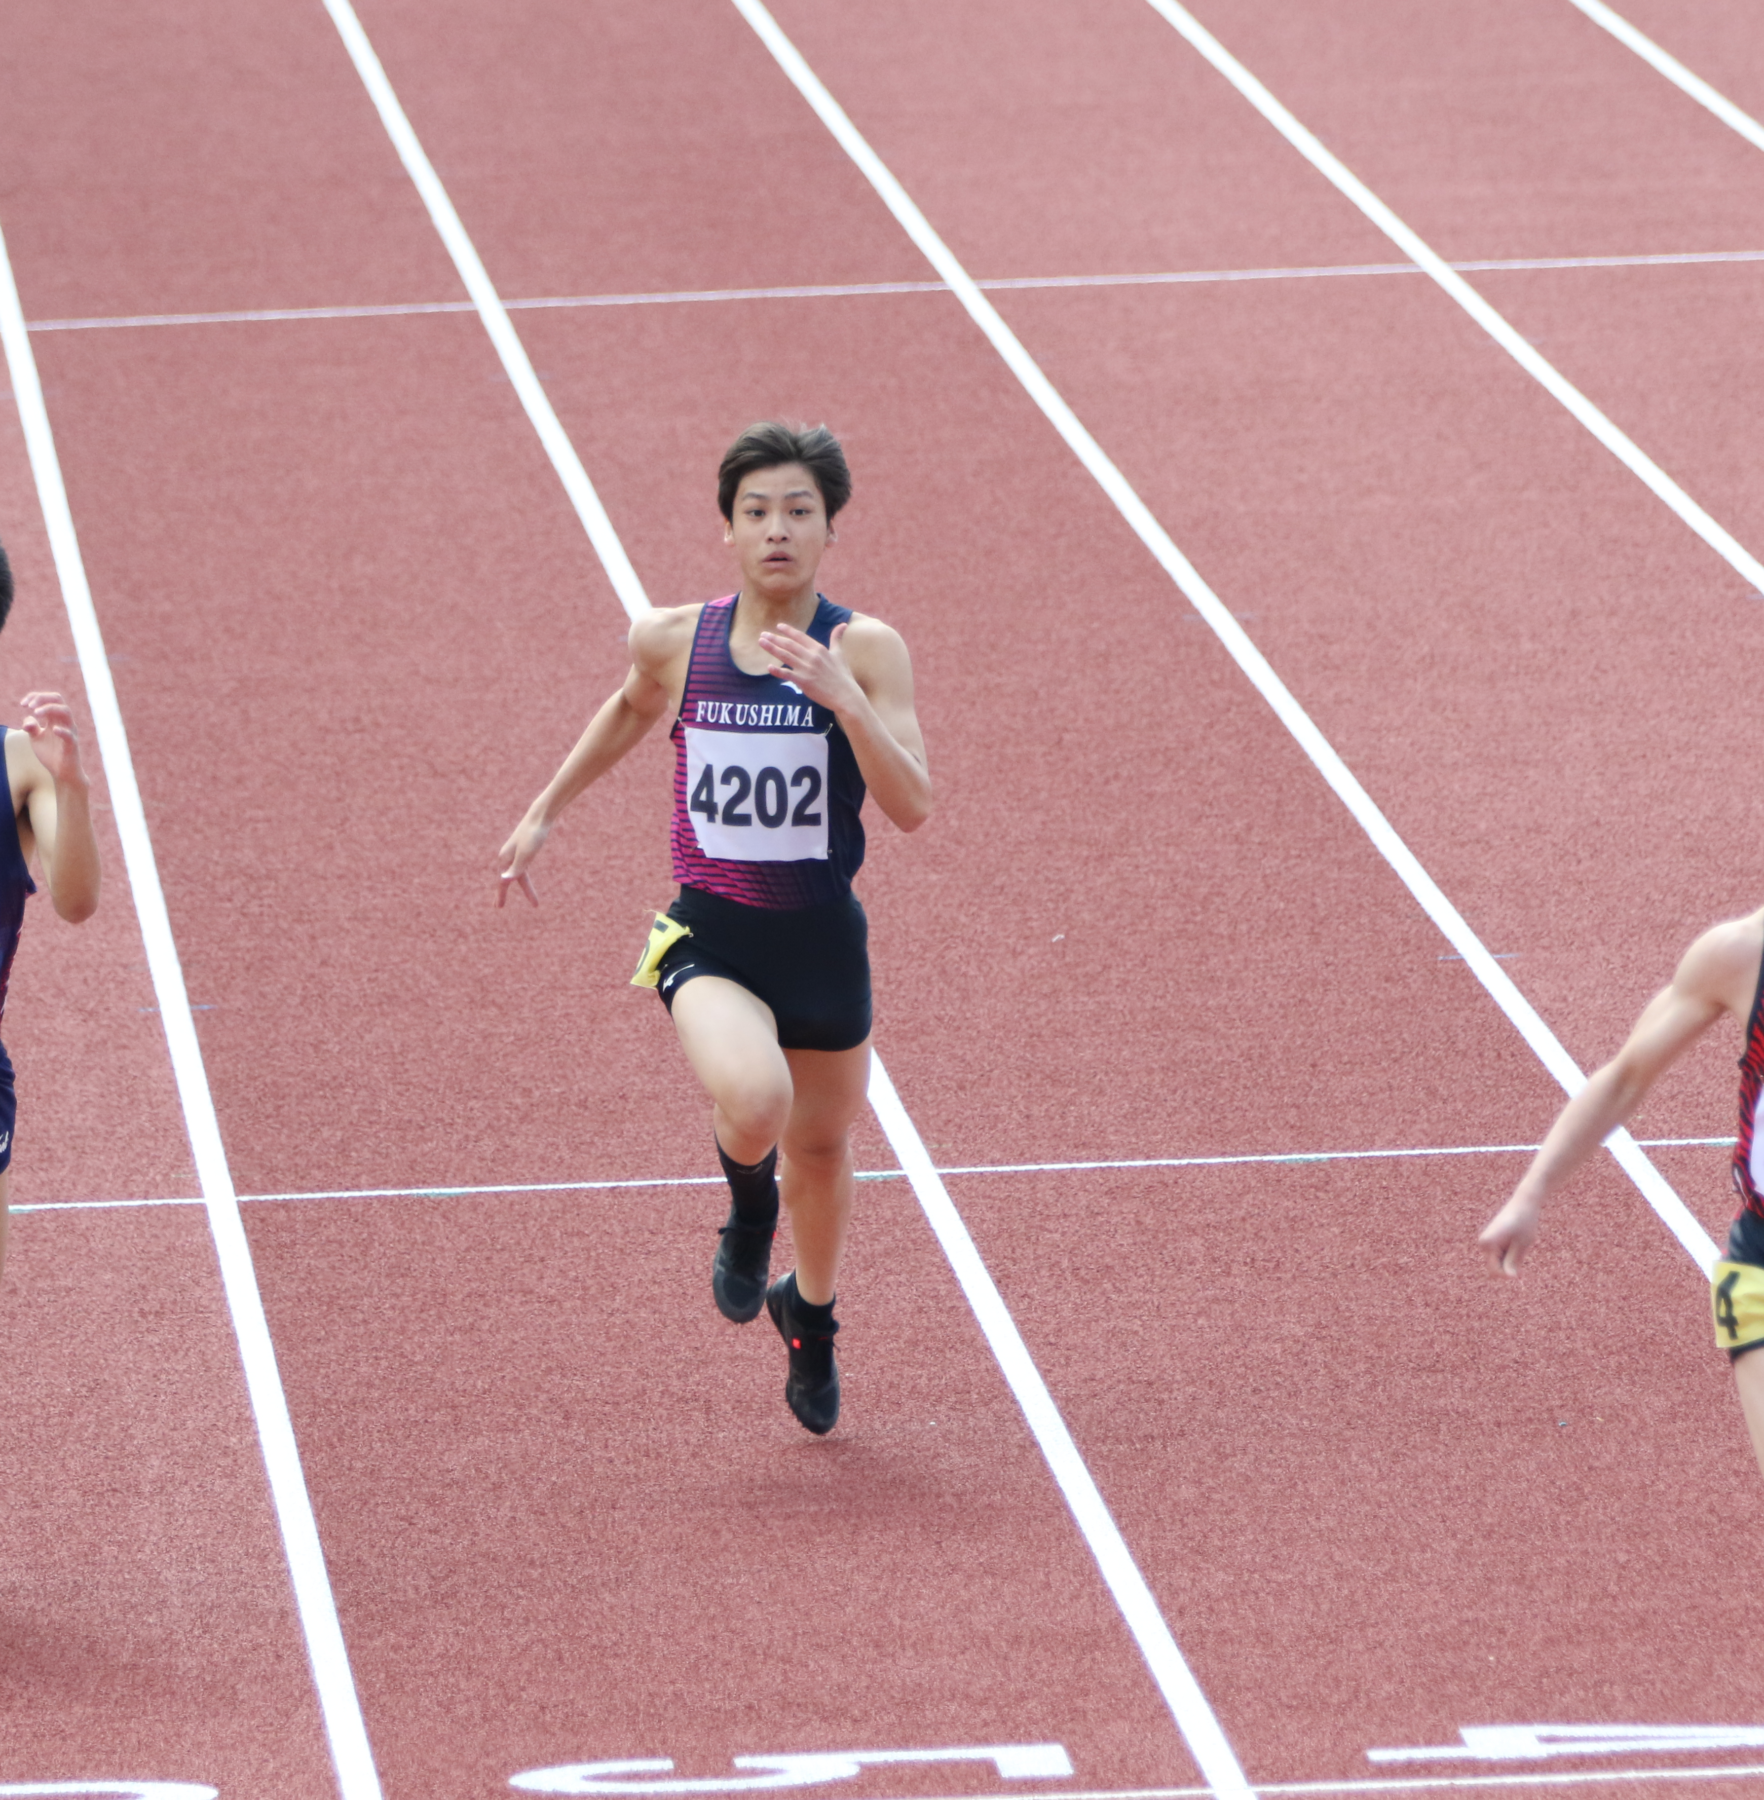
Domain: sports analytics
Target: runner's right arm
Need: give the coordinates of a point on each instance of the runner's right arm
(658, 641)
(1717, 975)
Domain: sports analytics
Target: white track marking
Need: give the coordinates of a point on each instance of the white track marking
(846, 290)
(1672, 1210)
(792, 1769)
(1194, 1716)
(651, 1182)
(1674, 71)
(128, 1790)
(1416, 1784)
(344, 1727)
(1716, 536)
(1533, 1743)
(491, 310)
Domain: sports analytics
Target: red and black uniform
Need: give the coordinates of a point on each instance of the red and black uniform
(766, 839)
(1738, 1286)
(1748, 1149)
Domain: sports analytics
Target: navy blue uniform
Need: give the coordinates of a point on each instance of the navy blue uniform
(16, 887)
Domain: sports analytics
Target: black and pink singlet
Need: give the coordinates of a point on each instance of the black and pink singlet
(767, 792)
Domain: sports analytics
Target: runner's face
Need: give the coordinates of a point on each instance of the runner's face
(779, 530)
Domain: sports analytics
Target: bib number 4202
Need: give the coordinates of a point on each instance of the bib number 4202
(757, 796)
(770, 794)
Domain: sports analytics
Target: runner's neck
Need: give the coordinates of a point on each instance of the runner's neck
(755, 613)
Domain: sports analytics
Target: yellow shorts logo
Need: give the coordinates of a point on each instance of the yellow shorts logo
(1738, 1297)
(664, 934)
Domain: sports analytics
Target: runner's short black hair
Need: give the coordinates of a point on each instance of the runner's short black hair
(5, 585)
(769, 445)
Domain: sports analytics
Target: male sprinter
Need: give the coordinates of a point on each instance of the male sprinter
(1722, 973)
(49, 815)
(786, 710)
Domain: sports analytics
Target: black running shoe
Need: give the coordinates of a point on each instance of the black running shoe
(738, 1276)
(813, 1388)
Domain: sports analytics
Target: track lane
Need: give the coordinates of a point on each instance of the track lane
(146, 1622)
(158, 203)
(147, 1625)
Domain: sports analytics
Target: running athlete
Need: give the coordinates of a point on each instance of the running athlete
(50, 815)
(786, 710)
(1722, 973)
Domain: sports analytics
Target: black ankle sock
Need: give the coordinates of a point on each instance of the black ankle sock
(810, 1318)
(754, 1187)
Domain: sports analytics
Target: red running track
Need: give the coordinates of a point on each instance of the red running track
(352, 620)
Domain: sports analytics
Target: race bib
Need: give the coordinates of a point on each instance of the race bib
(1738, 1295)
(758, 796)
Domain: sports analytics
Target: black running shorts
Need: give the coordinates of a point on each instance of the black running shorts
(809, 964)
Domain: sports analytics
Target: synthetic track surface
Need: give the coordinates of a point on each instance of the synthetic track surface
(352, 622)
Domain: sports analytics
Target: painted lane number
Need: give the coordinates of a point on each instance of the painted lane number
(654, 1774)
(1527, 1743)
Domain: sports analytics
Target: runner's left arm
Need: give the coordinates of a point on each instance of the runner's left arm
(865, 677)
(1715, 976)
(58, 806)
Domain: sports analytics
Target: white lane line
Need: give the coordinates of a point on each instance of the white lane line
(845, 290)
(509, 347)
(1194, 1718)
(1674, 71)
(1330, 166)
(1500, 985)
(338, 1703)
(1193, 1713)
(1042, 1168)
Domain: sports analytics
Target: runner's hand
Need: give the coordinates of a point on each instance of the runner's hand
(516, 857)
(1508, 1235)
(49, 724)
(821, 671)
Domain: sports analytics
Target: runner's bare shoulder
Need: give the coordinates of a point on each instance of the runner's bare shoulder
(661, 639)
(869, 644)
(1723, 964)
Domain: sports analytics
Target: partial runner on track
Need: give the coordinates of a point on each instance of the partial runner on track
(1720, 975)
(52, 818)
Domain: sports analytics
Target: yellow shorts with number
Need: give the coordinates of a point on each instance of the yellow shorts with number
(664, 934)
(1738, 1296)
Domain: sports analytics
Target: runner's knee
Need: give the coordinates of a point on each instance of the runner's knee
(756, 1109)
(813, 1144)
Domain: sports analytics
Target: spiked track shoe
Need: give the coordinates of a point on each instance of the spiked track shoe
(738, 1276)
(812, 1391)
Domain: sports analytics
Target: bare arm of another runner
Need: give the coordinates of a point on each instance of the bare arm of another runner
(865, 678)
(1717, 975)
(57, 801)
(658, 641)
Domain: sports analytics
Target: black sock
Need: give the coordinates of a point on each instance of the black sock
(810, 1317)
(754, 1187)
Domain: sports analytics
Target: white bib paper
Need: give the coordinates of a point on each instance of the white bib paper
(758, 796)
